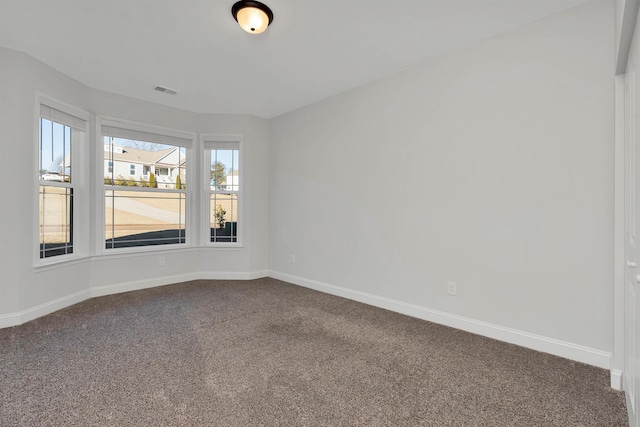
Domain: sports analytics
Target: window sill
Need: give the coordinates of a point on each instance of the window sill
(223, 246)
(142, 250)
(51, 264)
(58, 262)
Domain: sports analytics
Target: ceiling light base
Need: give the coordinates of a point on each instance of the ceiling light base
(252, 16)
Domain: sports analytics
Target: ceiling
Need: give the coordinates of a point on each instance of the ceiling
(312, 50)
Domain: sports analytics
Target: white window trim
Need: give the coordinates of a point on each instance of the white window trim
(79, 152)
(207, 141)
(190, 212)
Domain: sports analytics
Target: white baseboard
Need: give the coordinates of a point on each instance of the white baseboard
(15, 319)
(616, 379)
(18, 318)
(553, 346)
(232, 275)
(136, 285)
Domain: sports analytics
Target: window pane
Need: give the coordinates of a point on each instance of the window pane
(223, 217)
(224, 170)
(153, 214)
(55, 152)
(133, 163)
(56, 219)
(139, 218)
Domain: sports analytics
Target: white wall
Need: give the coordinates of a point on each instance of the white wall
(26, 292)
(491, 167)
(21, 77)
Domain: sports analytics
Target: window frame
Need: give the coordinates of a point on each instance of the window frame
(165, 136)
(78, 121)
(208, 144)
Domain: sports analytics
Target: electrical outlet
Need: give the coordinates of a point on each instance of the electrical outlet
(292, 258)
(451, 288)
(161, 260)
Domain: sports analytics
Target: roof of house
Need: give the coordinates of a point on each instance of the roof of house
(134, 155)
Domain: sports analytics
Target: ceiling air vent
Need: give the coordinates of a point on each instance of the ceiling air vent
(166, 90)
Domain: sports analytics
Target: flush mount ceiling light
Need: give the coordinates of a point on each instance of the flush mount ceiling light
(252, 16)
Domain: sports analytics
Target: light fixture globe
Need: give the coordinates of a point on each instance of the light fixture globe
(252, 16)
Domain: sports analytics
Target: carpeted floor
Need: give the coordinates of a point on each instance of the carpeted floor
(263, 352)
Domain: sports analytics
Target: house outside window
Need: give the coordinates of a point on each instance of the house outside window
(132, 169)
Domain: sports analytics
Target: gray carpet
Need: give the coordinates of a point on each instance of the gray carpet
(264, 352)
